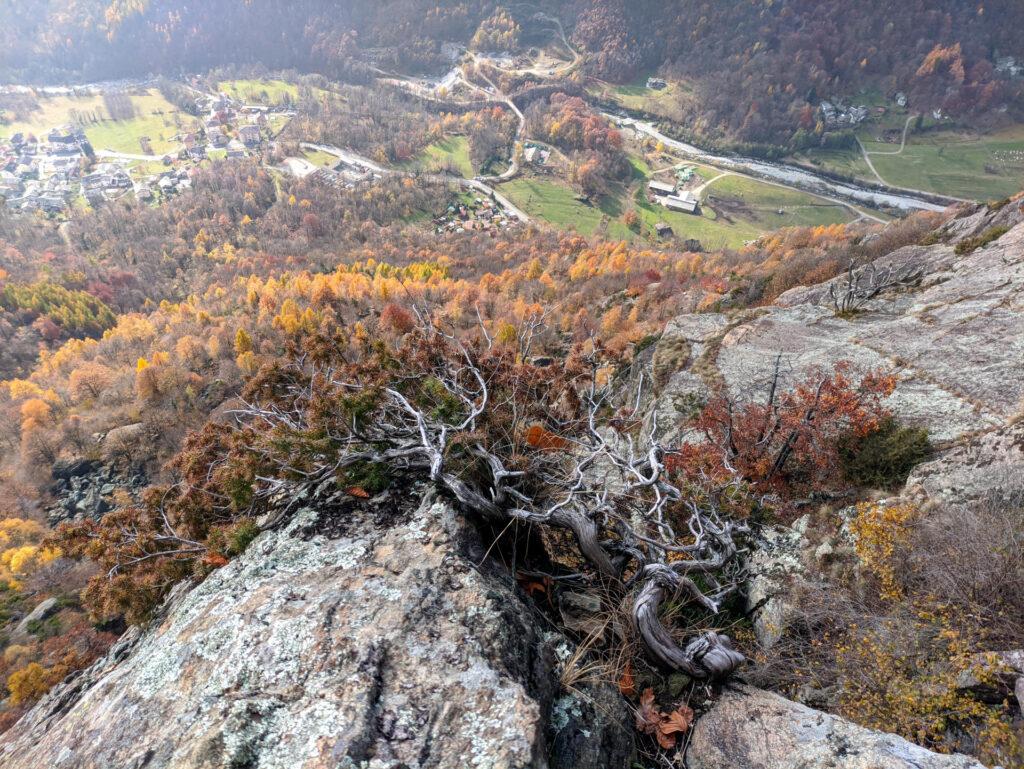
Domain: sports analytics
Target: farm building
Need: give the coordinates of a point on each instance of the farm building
(661, 188)
(686, 203)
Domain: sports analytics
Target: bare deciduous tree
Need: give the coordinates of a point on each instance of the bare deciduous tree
(862, 284)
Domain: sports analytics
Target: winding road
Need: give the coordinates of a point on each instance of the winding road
(848, 194)
(513, 165)
(867, 155)
(358, 161)
(903, 143)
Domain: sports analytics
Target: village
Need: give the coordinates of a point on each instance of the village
(670, 196)
(62, 169)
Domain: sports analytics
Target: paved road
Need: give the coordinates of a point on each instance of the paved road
(476, 184)
(348, 157)
(790, 177)
(513, 167)
(129, 156)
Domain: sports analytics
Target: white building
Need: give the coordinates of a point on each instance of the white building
(661, 188)
(686, 203)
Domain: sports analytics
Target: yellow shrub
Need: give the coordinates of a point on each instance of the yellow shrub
(29, 684)
(18, 531)
(16, 653)
(902, 676)
(881, 532)
(24, 560)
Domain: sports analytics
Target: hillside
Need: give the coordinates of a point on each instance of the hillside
(757, 67)
(756, 72)
(565, 384)
(324, 638)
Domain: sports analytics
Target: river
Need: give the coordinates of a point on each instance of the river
(791, 176)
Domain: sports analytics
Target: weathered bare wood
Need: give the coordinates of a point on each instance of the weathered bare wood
(862, 284)
(707, 655)
(623, 515)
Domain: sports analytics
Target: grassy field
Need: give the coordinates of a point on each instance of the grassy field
(155, 117)
(767, 207)
(270, 92)
(54, 111)
(141, 168)
(318, 158)
(637, 96)
(845, 162)
(958, 164)
(452, 151)
(555, 202)
(641, 168)
(735, 210)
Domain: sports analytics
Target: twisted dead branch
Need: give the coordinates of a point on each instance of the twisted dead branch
(633, 526)
(862, 284)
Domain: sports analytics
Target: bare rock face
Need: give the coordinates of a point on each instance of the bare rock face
(956, 342)
(753, 729)
(361, 641)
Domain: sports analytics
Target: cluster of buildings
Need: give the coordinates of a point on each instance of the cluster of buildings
(107, 181)
(481, 214)
(1008, 66)
(235, 128)
(41, 175)
(46, 174)
(666, 194)
(535, 154)
(835, 115)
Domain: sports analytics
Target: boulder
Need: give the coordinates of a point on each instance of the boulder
(65, 470)
(365, 638)
(750, 728)
(121, 440)
(993, 676)
(774, 566)
(44, 610)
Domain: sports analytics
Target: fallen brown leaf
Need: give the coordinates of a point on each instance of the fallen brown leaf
(647, 715)
(627, 681)
(676, 722)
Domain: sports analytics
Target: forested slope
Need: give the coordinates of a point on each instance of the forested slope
(759, 69)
